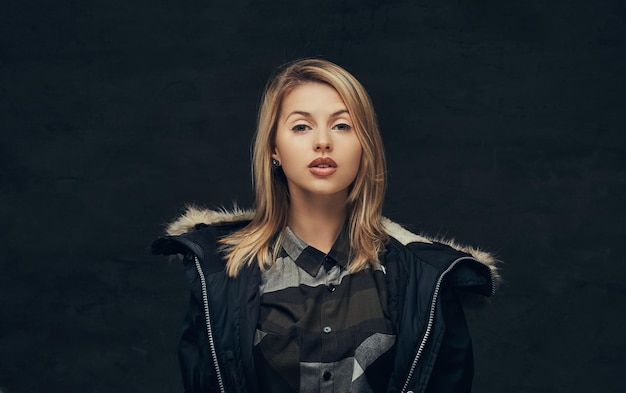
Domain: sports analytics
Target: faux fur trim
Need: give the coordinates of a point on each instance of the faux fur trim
(405, 237)
(482, 256)
(401, 234)
(194, 216)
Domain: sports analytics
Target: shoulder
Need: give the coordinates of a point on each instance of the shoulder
(198, 230)
(462, 266)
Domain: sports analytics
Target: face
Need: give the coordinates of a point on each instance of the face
(316, 143)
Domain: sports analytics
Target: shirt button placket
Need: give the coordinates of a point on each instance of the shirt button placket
(329, 339)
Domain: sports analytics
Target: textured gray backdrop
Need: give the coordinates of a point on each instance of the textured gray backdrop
(503, 123)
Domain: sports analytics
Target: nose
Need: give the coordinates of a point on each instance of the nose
(323, 142)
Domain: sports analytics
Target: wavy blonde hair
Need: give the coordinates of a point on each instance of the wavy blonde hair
(259, 240)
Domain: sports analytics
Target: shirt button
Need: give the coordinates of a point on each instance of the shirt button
(327, 376)
(327, 329)
(331, 288)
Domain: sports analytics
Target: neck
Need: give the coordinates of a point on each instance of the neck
(318, 220)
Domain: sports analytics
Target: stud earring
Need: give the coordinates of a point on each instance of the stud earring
(275, 163)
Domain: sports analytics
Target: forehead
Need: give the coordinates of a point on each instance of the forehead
(312, 95)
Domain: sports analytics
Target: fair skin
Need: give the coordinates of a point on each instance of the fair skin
(320, 154)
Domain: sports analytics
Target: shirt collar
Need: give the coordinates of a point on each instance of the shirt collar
(311, 259)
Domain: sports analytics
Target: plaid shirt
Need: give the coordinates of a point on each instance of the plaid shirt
(321, 329)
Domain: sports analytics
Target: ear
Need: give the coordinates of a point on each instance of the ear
(276, 155)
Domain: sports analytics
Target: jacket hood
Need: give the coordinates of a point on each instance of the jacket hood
(193, 216)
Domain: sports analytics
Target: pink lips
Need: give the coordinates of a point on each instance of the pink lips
(323, 166)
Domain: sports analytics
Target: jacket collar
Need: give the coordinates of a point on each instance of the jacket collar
(194, 216)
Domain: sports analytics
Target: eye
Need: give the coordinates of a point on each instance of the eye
(300, 127)
(342, 127)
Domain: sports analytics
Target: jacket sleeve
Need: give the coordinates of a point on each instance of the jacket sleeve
(454, 368)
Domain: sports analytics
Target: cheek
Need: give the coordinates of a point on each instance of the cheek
(355, 161)
(285, 146)
(287, 156)
(357, 152)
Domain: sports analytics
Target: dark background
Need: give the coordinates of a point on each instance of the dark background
(504, 128)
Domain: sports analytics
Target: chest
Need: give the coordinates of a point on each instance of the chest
(328, 332)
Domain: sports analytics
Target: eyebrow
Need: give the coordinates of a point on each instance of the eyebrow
(307, 114)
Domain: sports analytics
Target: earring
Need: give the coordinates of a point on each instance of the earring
(275, 163)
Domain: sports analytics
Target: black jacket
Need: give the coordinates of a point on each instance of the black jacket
(424, 280)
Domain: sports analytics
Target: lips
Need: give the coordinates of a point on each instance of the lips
(323, 162)
(323, 166)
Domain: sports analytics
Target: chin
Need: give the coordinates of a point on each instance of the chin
(328, 191)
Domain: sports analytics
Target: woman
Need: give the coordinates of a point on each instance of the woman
(314, 290)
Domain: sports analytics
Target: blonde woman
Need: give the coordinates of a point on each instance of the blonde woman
(314, 290)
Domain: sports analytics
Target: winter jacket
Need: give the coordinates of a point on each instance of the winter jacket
(424, 281)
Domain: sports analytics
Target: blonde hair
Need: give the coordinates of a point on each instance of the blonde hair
(261, 238)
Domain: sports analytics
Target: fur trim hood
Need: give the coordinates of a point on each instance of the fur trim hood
(194, 216)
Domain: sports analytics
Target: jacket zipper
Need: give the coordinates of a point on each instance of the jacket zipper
(205, 301)
(431, 318)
